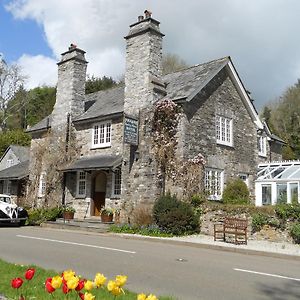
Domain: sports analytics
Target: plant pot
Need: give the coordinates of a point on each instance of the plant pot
(106, 218)
(68, 215)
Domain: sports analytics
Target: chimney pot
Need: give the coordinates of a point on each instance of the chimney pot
(147, 14)
(140, 18)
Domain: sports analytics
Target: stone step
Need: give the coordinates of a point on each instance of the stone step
(91, 225)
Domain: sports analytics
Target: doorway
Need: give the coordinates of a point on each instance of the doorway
(99, 193)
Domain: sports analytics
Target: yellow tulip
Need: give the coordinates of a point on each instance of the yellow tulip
(114, 288)
(68, 274)
(88, 285)
(151, 297)
(100, 279)
(88, 296)
(121, 280)
(141, 297)
(56, 282)
(72, 283)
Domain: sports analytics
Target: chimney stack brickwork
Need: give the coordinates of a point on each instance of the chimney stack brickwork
(70, 92)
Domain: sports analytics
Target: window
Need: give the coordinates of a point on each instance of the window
(266, 191)
(117, 183)
(7, 187)
(42, 185)
(81, 184)
(9, 163)
(214, 183)
(102, 135)
(224, 130)
(245, 178)
(262, 145)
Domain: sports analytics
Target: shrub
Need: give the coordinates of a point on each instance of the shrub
(288, 211)
(258, 221)
(174, 216)
(39, 215)
(295, 232)
(142, 215)
(198, 199)
(236, 192)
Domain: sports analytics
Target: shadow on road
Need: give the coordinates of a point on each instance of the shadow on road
(289, 290)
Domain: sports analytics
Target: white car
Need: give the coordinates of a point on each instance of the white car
(10, 212)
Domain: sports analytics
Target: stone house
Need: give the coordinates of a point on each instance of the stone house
(14, 171)
(113, 164)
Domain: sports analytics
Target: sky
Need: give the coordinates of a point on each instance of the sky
(261, 36)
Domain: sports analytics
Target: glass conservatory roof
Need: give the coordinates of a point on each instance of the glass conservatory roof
(283, 171)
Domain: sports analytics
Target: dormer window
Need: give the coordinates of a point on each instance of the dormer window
(262, 145)
(9, 162)
(101, 135)
(224, 131)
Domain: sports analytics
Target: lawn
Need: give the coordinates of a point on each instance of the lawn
(34, 289)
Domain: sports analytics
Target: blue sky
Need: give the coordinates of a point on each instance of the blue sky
(20, 36)
(259, 35)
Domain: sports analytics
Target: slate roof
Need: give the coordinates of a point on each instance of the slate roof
(16, 172)
(22, 152)
(179, 85)
(107, 102)
(99, 162)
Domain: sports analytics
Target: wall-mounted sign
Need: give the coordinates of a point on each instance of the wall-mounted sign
(131, 131)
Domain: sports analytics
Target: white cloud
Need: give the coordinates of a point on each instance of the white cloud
(259, 35)
(39, 70)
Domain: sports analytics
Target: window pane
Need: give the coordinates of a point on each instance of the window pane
(101, 134)
(96, 134)
(108, 129)
(281, 193)
(117, 182)
(266, 194)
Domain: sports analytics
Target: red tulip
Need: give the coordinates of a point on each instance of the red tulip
(81, 296)
(29, 274)
(80, 285)
(65, 288)
(50, 289)
(22, 297)
(16, 283)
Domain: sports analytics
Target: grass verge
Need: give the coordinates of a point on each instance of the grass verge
(35, 288)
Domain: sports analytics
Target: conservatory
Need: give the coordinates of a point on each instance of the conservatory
(277, 182)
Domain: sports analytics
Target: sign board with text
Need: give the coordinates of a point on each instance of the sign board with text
(131, 131)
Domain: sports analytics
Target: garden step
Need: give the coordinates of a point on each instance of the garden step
(93, 225)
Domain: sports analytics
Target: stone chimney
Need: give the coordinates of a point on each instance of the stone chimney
(70, 92)
(143, 69)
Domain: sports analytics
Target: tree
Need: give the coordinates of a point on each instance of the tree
(95, 84)
(172, 63)
(11, 81)
(284, 120)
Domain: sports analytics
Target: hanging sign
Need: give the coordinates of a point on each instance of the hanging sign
(131, 131)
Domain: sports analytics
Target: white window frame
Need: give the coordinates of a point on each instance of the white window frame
(42, 185)
(117, 183)
(224, 132)
(81, 184)
(7, 187)
(214, 188)
(9, 163)
(101, 134)
(262, 145)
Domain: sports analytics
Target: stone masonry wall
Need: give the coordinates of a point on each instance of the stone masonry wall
(221, 98)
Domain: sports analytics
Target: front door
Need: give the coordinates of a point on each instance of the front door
(99, 202)
(99, 193)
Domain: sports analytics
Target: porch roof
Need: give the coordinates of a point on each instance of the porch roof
(15, 172)
(99, 162)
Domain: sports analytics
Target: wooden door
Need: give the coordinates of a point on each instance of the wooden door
(99, 202)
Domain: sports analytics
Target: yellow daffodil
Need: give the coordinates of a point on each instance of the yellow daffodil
(72, 282)
(68, 274)
(56, 282)
(88, 296)
(141, 297)
(99, 280)
(121, 280)
(113, 287)
(88, 285)
(151, 297)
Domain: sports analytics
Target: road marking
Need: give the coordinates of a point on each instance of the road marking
(267, 274)
(77, 244)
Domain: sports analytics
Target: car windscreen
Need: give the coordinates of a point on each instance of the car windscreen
(5, 199)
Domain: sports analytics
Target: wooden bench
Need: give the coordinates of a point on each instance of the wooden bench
(232, 227)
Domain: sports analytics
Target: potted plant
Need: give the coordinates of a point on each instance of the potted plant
(107, 215)
(68, 212)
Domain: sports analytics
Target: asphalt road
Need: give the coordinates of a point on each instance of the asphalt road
(161, 268)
